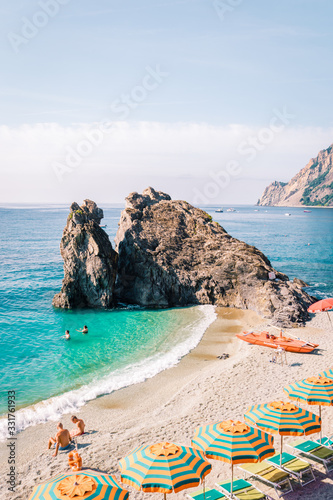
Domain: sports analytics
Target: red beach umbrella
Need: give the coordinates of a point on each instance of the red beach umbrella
(321, 306)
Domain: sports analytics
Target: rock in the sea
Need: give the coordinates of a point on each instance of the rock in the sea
(299, 283)
(90, 263)
(173, 254)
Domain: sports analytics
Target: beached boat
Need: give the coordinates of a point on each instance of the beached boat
(274, 341)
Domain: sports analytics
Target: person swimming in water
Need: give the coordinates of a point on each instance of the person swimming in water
(67, 336)
(84, 330)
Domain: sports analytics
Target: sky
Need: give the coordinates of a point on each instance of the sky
(208, 100)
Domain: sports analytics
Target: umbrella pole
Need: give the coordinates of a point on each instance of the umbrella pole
(329, 317)
(321, 425)
(164, 496)
(281, 451)
(204, 488)
(232, 480)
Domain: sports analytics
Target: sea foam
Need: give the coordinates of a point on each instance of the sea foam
(52, 409)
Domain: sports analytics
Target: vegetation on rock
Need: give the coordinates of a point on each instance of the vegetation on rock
(312, 186)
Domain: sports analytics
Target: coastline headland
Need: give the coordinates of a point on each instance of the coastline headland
(170, 254)
(311, 187)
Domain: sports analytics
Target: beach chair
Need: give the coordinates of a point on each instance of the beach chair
(326, 441)
(298, 468)
(242, 490)
(269, 474)
(209, 494)
(315, 451)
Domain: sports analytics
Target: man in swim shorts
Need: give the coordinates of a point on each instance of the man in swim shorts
(80, 425)
(61, 441)
(84, 330)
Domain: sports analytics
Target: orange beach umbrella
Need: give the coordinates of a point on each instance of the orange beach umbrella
(283, 418)
(234, 443)
(313, 391)
(84, 484)
(321, 306)
(327, 373)
(164, 467)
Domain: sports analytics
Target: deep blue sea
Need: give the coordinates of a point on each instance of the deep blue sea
(52, 376)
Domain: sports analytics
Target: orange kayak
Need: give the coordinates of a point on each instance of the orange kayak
(273, 341)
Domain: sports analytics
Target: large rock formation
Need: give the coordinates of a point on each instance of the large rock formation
(89, 261)
(173, 254)
(312, 186)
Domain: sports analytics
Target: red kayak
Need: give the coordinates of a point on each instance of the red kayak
(268, 340)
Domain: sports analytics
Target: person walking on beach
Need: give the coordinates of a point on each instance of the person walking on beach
(84, 330)
(80, 426)
(61, 441)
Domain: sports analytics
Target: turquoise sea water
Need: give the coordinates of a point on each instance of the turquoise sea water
(123, 346)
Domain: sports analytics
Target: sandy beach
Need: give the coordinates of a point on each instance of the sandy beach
(169, 406)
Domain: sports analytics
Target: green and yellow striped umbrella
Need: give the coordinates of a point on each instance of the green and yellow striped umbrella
(282, 418)
(327, 373)
(313, 391)
(234, 443)
(164, 467)
(82, 485)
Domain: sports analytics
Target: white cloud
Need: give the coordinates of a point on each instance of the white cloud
(175, 157)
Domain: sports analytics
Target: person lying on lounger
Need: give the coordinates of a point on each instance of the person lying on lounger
(61, 441)
(80, 425)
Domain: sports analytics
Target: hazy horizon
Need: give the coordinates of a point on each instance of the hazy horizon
(207, 100)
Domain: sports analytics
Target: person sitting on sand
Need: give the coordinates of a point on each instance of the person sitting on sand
(80, 425)
(84, 330)
(61, 441)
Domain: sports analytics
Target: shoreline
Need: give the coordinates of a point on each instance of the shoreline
(199, 389)
(52, 408)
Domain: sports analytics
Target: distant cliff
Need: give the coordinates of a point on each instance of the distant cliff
(312, 186)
